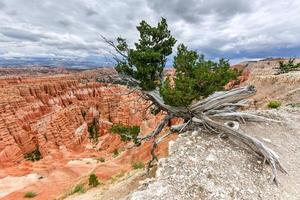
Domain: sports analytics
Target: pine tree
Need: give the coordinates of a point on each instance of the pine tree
(195, 77)
(147, 60)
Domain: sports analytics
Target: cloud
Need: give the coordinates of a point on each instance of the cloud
(2, 5)
(233, 28)
(90, 12)
(193, 11)
(19, 34)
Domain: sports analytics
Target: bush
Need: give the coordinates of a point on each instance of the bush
(115, 153)
(287, 67)
(93, 180)
(274, 104)
(93, 130)
(30, 194)
(78, 188)
(138, 165)
(33, 156)
(101, 159)
(127, 133)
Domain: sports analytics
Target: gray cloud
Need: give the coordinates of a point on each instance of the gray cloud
(90, 12)
(233, 28)
(2, 5)
(64, 22)
(194, 11)
(20, 34)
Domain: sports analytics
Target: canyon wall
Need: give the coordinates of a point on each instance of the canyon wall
(53, 112)
(51, 115)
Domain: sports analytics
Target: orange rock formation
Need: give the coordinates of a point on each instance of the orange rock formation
(52, 114)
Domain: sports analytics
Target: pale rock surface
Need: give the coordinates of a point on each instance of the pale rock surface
(204, 166)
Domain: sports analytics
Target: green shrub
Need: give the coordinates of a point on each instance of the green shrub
(115, 153)
(101, 159)
(288, 66)
(33, 156)
(127, 133)
(30, 194)
(274, 104)
(138, 165)
(93, 180)
(78, 188)
(93, 130)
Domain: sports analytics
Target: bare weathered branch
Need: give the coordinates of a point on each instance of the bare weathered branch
(158, 129)
(243, 116)
(114, 46)
(218, 106)
(221, 98)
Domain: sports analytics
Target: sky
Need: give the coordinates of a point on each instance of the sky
(234, 29)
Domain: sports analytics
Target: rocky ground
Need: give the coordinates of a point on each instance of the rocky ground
(204, 166)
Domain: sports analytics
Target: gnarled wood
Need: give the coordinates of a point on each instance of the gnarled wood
(218, 106)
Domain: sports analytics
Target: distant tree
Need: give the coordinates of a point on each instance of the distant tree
(93, 130)
(93, 180)
(194, 94)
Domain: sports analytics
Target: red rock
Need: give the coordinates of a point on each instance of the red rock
(52, 113)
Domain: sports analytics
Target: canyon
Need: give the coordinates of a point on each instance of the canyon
(50, 115)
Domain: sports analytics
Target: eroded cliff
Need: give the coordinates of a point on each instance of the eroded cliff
(52, 114)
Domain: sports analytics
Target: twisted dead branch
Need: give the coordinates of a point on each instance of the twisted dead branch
(208, 113)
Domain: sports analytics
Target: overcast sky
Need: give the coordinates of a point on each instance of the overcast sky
(234, 29)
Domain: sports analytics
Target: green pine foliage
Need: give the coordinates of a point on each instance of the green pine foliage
(181, 94)
(195, 77)
(147, 60)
